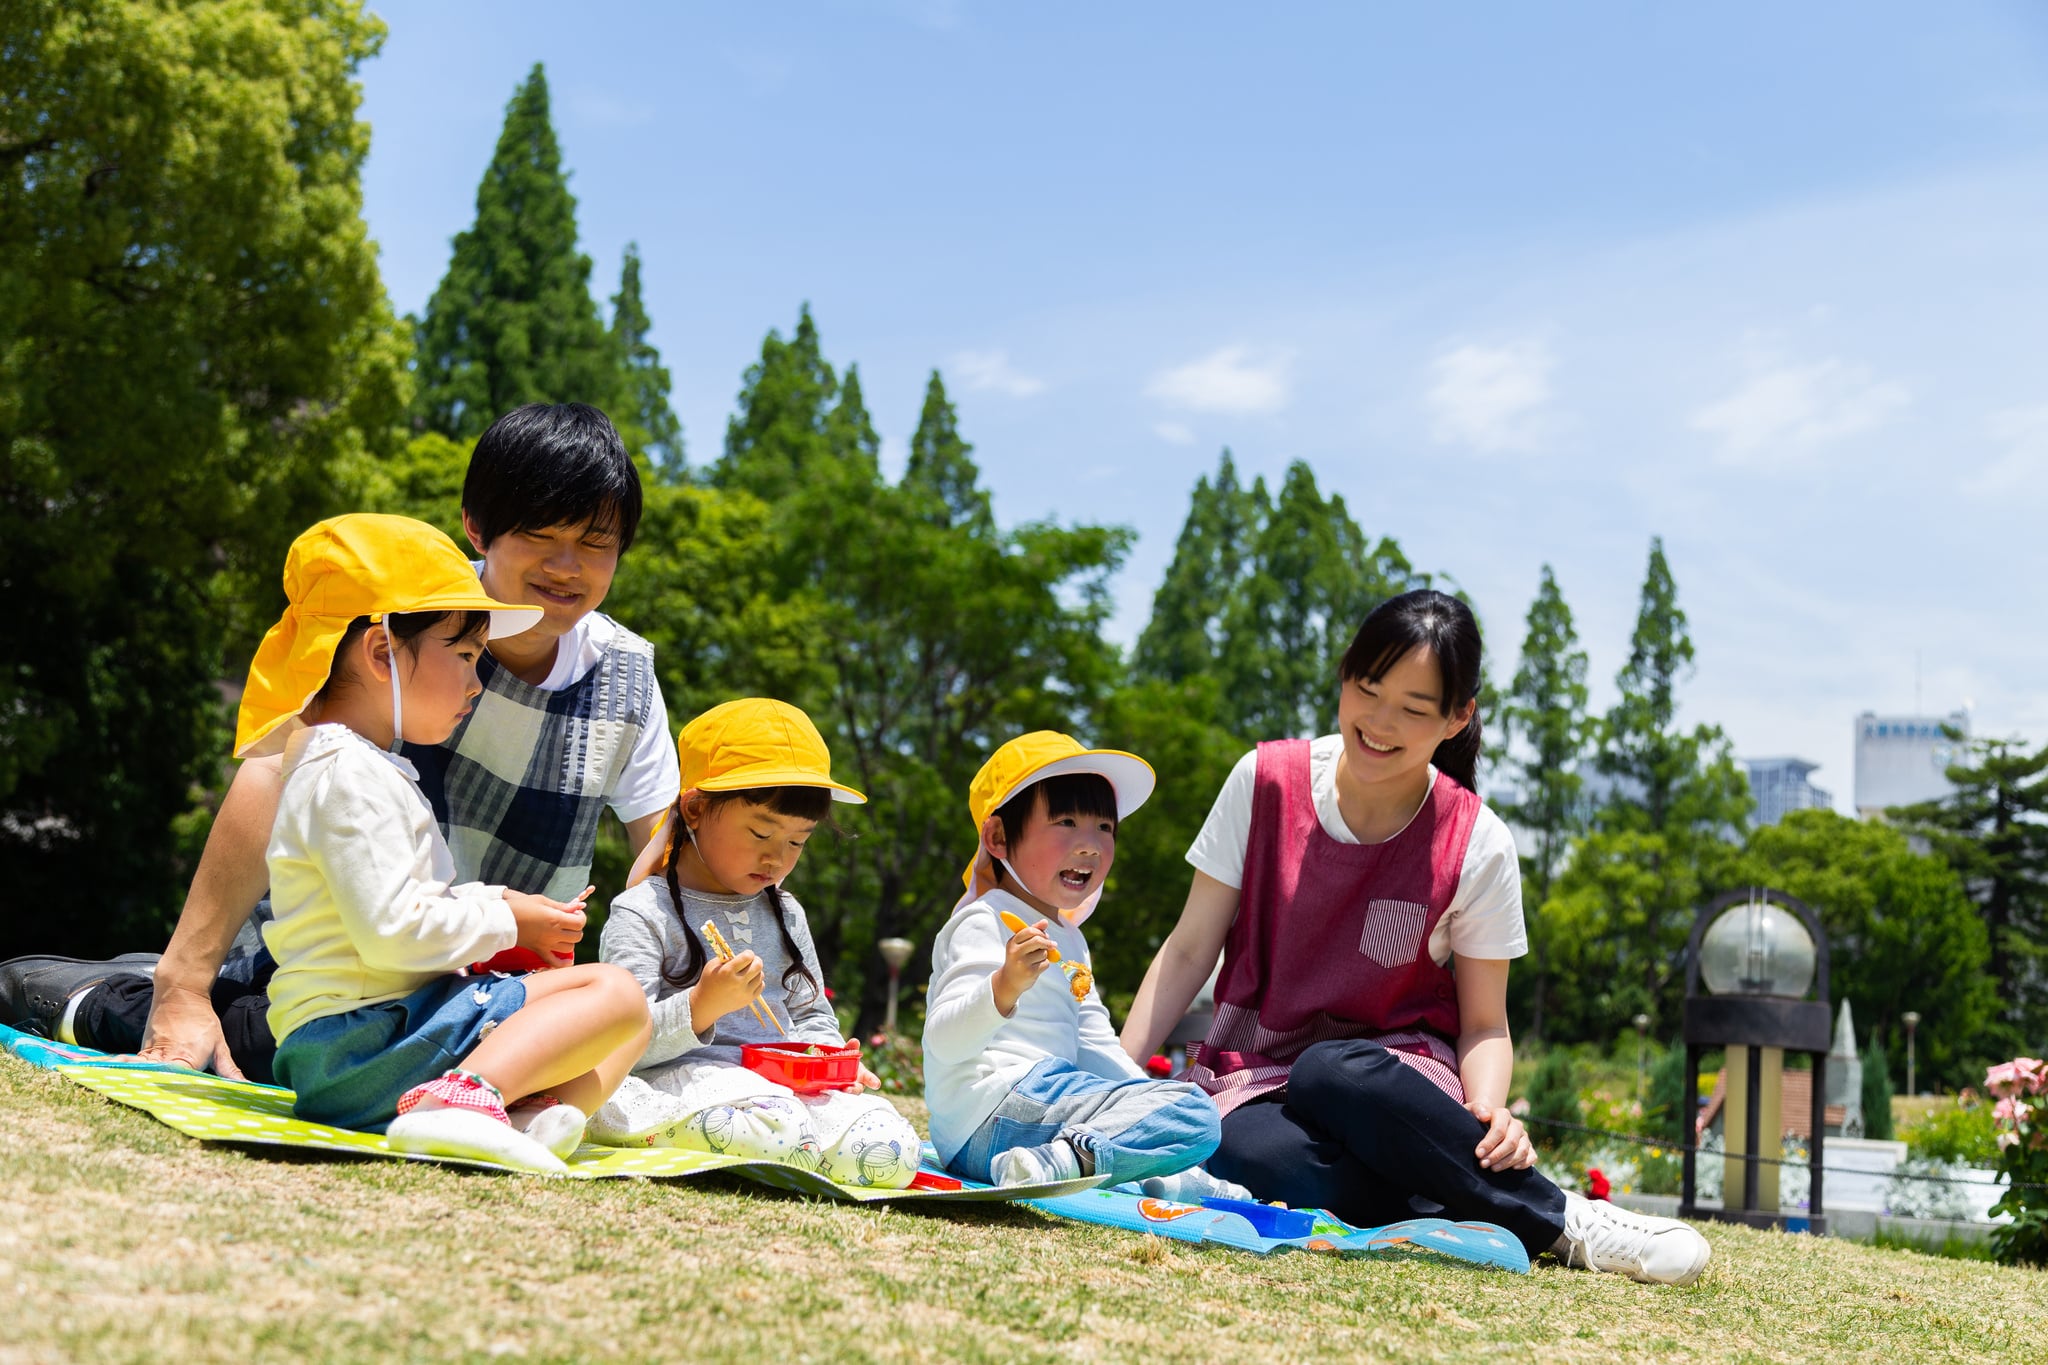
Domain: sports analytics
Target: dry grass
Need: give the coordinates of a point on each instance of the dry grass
(128, 1241)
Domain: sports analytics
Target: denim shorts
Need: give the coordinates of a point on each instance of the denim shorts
(349, 1069)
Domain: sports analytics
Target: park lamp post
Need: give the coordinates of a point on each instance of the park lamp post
(895, 952)
(1758, 951)
(1911, 1019)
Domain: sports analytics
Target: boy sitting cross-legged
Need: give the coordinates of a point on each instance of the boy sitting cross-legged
(1023, 1071)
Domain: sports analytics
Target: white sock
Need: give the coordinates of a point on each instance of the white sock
(1192, 1186)
(65, 1033)
(557, 1127)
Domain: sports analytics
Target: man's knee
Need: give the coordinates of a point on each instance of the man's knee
(1344, 1071)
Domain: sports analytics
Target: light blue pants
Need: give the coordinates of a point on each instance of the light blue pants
(1128, 1130)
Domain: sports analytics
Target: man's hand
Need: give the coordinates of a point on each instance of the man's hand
(1506, 1146)
(183, 1030)
(1025, 957)
(725, 986)
(550, 928)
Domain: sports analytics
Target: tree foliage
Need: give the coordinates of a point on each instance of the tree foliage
(642, 411)
(1993, 830)
(195, 351)
(513, 321)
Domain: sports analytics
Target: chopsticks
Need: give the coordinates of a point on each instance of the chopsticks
(761, 1008)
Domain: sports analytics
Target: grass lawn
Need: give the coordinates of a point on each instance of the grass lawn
(125, 1240)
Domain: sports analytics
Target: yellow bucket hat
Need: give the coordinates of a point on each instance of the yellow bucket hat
(362, 564)
(756, 742)
(1033, 758)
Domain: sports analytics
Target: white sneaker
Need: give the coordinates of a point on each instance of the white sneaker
(471, 1136)
(1192, 1186)
(1599, 1236)
(557, 1127)
(1056, 1160)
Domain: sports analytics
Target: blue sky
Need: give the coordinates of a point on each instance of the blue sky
(1526, 284)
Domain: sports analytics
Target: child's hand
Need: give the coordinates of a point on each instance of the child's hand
(866, 1080)
(1027, 954)
(550, 928)
(724, 987)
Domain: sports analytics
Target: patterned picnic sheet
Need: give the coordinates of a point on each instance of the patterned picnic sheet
(215, 1109)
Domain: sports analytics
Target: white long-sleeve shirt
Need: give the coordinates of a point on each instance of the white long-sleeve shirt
(973, 1055)
(360, 885)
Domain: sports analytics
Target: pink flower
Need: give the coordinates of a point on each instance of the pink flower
(2003, 1079)
(1520, 1108)
(879, 1040)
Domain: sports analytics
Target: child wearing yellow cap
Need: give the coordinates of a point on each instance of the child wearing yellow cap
(1026, 1080)
(376, 1021)
(757, 781)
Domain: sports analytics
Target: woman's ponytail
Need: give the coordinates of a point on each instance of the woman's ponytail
(1458, 757)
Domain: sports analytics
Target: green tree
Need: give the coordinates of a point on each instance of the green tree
(1618, 915)
(513, 321)
(643, 409)
(779, 432)
(1993, 830)
(195, 351)
(1546, 711)
(1877, 1090)
(1182, 638)
(1902, 933)
(1312, 576)
(941, 466)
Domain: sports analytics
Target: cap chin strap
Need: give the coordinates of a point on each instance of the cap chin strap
(397, 698)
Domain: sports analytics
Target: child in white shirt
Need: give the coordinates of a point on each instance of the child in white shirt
(1024, 1074)
(376, 1023)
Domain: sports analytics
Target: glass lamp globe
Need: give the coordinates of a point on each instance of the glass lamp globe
(1757, 948)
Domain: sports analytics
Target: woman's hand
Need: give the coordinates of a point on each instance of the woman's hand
(550, 928)
(724, 987)
(1025, 958)
(1506, 1145)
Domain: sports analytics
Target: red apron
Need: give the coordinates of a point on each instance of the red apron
(1331, 940)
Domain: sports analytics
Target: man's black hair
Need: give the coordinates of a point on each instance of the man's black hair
(552, 464)
(1066, 794)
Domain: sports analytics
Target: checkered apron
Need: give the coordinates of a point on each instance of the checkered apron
(1331, 940)
(518, 788)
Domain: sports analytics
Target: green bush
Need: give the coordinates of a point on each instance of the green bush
(1667, 1116)
(1877, 1090)
(1553, 1098)
(1966, 1133)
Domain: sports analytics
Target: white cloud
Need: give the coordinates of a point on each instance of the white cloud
(1174, 433)
(1490, 397)
(1794, 409)
(993, 370)
(1232, 380)
(2024, 434)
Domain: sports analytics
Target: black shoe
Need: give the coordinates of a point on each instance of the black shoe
(35, 990)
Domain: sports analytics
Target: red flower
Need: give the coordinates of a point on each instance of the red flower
(1596, 1184)
(1156, 1065)
(879, 1040)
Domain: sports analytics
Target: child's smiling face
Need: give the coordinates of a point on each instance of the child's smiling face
(1060, 859)
(738, 848)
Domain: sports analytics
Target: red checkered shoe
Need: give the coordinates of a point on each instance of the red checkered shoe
(461, 1117)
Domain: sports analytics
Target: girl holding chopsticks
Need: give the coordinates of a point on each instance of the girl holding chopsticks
(725, 957)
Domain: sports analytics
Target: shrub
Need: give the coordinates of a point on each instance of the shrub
(1554, 1098)
(1966, 1133)
(1877, 1090)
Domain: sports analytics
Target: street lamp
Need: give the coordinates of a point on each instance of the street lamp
(895, 952)
(1642, 1023)
(1911, 1019)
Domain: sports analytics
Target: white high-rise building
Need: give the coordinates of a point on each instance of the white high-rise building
(1904, 759)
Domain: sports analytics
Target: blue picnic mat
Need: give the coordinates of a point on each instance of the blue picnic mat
(216, 1109)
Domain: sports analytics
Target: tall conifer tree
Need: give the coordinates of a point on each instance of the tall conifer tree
(1641, 748)
(941, 467)
(849, 431)
(643, 402)
(513, 321)
(780, 428)
(1180, 640)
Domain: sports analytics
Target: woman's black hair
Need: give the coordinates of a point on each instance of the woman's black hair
(1443, 625)
(801, 803)
(1089, 794)
(407, 628)
(552, 464)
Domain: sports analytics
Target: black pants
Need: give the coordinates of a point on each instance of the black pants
(1366, 1136)
(112, 1016)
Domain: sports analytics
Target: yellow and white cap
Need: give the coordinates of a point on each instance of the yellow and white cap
(756, 742)
(362, 564)
(1033, 758)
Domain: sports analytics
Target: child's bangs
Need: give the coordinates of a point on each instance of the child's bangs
(1088, 795)
(798, 803)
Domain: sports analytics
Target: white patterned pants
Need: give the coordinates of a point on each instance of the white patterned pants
(727, 1109)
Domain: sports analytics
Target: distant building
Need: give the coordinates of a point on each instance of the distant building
(1904, 759)
(1780, 787)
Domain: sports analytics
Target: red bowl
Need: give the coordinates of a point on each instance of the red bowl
(804, 1067)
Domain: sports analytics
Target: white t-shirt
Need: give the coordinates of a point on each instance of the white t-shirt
(651, 778)
(1485, 917)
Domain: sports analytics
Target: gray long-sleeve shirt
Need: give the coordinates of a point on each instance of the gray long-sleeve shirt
(645, 935)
